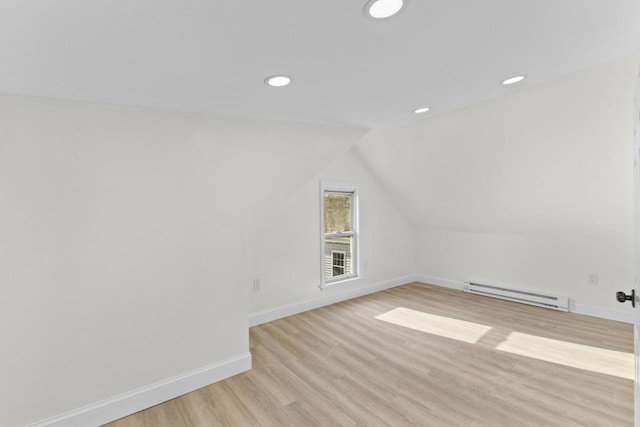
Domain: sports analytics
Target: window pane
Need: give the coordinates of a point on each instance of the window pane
(337, 212)
(337, 256)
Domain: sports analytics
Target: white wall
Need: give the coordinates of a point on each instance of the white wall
(285, 246)
(531, 189)
(552, 263)
(123, 243)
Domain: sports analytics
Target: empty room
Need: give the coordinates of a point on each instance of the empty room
(319, 213)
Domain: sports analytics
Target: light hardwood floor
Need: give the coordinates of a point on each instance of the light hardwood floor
(341, 366)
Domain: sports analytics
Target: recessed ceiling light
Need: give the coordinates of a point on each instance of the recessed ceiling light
(512, 80)
(421, 110)
(278, 81)
(381, 9)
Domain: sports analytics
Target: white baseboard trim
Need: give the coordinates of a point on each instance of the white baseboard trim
(439, 281)
(128, 403)
(574, 306)
(289, 310)
(604, 313)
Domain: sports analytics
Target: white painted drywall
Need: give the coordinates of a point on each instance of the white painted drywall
(532, 189)
(123, 258)
(552, 263)
(285, 247)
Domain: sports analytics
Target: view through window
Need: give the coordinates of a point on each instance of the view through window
(339, 234)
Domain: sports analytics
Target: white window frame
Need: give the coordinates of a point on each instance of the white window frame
(339, 187)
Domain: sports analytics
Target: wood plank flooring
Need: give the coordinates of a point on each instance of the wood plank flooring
(340, 366)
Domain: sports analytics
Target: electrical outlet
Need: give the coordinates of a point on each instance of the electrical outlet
(592, 278)
(257, 285)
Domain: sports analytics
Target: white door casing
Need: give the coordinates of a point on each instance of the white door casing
(636, 254)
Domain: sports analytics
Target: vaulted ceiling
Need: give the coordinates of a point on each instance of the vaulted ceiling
(213, 56)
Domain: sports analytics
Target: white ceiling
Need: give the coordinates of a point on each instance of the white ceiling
(212, 56)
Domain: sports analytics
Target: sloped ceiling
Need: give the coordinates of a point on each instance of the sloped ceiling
(212, 56)
(552, 159)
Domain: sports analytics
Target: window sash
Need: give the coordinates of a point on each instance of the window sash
(349, 266)
(333, 197)
(343, 234)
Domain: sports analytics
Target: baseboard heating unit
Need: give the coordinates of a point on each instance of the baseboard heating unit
(540, 299)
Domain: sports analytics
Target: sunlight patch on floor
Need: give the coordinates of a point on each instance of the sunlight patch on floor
(595, 359)
(601, 360)
(460, 330)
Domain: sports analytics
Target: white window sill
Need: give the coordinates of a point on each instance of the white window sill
(332, 283)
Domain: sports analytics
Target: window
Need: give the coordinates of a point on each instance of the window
(338, 258)
(339, 232)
